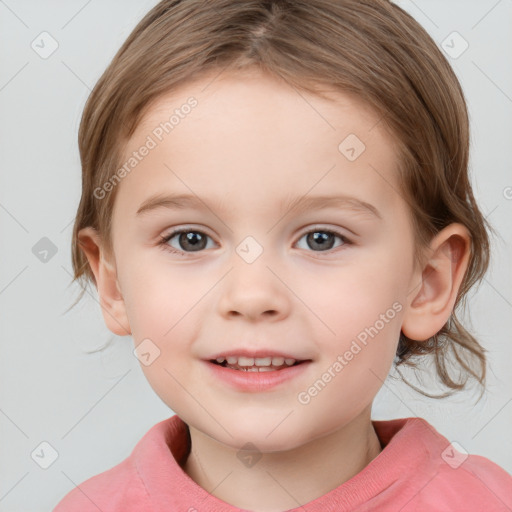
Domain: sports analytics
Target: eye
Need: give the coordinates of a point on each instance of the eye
(322, 240)
(188, 240)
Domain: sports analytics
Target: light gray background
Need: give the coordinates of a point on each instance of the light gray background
(93, 409)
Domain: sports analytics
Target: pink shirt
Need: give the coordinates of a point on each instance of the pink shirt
(417, 471)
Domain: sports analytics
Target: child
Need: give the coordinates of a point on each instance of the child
(226, 143)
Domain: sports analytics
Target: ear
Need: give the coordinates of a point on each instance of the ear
(105, 275)
(441, 277)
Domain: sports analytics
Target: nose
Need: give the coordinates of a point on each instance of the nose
(254, 291)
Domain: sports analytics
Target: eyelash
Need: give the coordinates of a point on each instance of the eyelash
(164, 239)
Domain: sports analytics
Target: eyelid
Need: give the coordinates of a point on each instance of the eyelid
(174, 231)
(187, 227)
(323, 227)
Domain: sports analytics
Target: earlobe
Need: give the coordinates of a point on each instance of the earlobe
(431, 306)
(105, 275)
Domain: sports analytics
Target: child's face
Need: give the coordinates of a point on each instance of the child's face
(249, 147)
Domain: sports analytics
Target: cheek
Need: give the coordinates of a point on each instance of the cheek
(351, 297)
(155, 300)
(164, 309)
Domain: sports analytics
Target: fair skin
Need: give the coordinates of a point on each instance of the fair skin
(250, 144)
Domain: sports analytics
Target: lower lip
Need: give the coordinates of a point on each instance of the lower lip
(256, 381)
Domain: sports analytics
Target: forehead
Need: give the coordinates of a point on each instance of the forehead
(262, 140)
(269, 103)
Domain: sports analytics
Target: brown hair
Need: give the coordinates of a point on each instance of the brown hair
(371, 49)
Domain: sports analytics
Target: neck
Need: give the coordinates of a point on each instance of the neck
(283, 480)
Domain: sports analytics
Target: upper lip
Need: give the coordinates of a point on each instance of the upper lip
(260, 353)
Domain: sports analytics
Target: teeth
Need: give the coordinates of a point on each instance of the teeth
(262, 361)
(258, 369)
(258, 361)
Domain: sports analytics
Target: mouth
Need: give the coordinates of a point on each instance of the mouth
(267, 364)
(262, 373)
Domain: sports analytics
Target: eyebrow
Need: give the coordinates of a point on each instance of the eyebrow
(183, 201)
